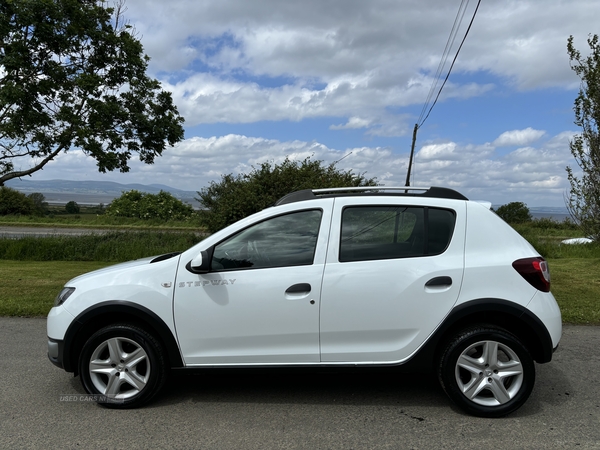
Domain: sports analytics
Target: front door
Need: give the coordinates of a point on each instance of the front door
(260, 302)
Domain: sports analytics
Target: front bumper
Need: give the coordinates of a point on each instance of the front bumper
(55, 352)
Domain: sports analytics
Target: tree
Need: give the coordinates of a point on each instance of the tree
(514, 212)
(238, 196)
(14, 202)
(141, 205)
(583, 201)
(72, 74)
(40, 206)
(72, 207)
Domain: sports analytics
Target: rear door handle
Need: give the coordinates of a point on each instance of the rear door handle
(439, 282)
(300, 288)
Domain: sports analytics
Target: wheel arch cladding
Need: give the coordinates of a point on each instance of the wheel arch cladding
(505, 314)
(94, 318)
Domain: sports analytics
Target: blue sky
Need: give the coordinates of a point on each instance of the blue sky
(264, 79)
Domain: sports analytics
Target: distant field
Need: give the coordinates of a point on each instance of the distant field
(92, 217)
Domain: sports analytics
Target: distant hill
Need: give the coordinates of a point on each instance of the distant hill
(92, 192)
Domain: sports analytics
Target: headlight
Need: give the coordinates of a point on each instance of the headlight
(63, 295)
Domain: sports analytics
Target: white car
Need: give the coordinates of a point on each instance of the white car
(419, 277)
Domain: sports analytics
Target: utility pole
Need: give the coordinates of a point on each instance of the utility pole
(412, 152)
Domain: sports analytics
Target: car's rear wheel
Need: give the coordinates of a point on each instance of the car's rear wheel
(123, 365)
(487, 371)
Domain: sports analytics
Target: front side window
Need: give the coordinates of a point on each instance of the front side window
(288, 240)
(386, 232)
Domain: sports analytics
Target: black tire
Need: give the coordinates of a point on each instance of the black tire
(487, 371)
(123, 366)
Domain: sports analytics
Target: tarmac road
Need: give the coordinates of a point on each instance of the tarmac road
(276, 410)
(19, 232)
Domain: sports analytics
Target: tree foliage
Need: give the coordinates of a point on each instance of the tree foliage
(141, 205)
(238, 196)
(14, 202)
(40, 206)
(72, 74)
(72, 207)
(514, 212)
(583, 200)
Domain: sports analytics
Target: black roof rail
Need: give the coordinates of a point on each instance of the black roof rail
(403, 191)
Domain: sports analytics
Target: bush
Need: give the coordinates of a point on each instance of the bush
(514, 212)
(236, 197)
(14, 202)
(72, 207)
(145, 206)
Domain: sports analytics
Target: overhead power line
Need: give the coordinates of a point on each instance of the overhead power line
(449, 43)
(421, 122)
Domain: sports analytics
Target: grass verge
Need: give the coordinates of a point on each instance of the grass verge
(576, 286)
(28, 288)
(116, 246)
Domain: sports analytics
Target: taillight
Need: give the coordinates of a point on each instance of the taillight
(535, 271)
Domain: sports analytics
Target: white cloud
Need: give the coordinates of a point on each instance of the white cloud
(358, 65)
(353, 123)
(535, 175)
(518, 137)
(346, 58)
(451, 151)
(328, 39)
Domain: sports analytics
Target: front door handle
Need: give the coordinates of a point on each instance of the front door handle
(300, 288)
(439, 282)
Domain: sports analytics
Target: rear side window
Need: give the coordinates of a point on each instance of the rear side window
(386, 232)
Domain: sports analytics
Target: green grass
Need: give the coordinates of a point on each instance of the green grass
(576, 287)
(115, 246)
(547, 241)
(28, 286)
(28, 289)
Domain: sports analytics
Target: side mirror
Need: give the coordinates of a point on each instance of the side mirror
(200, 264)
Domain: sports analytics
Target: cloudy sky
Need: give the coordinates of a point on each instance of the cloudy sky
(260, 80)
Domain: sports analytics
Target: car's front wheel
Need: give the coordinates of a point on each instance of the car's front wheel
(122, 365)
(487, 371)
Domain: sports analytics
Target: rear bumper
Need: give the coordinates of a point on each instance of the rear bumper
(544, 306)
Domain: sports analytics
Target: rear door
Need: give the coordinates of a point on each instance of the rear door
(393, 272)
